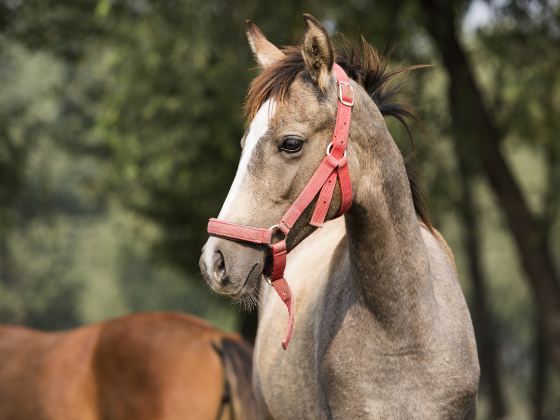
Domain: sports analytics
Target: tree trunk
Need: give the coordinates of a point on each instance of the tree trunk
(539, 375)
(486, 341)
(474, 126)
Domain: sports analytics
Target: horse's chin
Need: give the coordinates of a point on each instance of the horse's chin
(248, 293)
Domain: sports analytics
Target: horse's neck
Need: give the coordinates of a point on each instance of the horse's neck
(388, 258)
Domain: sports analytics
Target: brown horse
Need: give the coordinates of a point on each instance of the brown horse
(382, 329)
(156, 366)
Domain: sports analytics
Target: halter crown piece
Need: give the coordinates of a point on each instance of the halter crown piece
(323, 181)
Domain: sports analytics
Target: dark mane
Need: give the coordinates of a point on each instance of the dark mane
(364, 65)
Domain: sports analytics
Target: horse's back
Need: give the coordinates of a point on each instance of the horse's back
(46, 375)
(158, 366)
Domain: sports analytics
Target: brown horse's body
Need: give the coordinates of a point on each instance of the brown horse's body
(144, 366)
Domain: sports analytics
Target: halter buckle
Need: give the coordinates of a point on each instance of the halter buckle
(345, 93)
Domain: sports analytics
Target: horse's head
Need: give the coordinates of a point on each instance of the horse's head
(291, 107)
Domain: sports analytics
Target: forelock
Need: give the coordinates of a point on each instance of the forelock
(274, 81)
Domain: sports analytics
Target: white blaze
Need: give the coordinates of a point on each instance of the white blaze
(257, 129)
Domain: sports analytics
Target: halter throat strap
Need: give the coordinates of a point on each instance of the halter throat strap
(322, 183)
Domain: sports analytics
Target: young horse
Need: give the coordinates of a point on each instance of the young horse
(153, 366)
(382, 328)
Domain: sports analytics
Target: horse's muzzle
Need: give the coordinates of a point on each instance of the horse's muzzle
(231, 268)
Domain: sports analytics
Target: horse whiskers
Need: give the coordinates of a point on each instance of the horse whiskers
(248, 301)
(245, 302)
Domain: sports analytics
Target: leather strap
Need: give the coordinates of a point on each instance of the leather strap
(283, 290)
(322, 183)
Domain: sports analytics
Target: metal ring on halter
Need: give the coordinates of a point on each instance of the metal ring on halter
(329, 149)
(274, 229)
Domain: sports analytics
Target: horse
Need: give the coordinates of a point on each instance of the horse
(156, 366)
(382, 329)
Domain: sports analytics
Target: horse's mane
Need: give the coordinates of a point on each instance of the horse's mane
(364, 65)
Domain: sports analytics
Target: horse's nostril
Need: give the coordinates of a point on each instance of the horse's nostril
(220, 272)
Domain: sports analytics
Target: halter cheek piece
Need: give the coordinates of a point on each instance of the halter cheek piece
(323, 181)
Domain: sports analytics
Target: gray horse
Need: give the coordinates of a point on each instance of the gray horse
(382, 328)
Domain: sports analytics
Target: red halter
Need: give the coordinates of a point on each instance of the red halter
(324, 180)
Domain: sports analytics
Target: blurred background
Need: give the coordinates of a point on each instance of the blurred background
(120, 124)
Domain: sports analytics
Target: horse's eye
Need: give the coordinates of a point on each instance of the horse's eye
(291, 145)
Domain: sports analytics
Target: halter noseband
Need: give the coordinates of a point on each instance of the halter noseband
(334, 165)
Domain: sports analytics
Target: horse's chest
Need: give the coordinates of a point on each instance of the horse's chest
(359, 383)
(365, 375)
(331, 368)
(287, 382)
(304, 381)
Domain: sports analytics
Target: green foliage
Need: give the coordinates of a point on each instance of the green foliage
(119, 136)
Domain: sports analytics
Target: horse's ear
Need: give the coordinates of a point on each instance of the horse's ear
(317, 51)
(265, 52)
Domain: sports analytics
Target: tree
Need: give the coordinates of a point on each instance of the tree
(473, 124)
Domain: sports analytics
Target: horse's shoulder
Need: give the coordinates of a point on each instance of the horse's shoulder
(454, 346)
